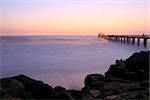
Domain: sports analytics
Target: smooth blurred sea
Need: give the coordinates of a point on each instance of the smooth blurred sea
(60, 60)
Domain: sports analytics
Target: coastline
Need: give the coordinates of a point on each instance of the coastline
(128, 79)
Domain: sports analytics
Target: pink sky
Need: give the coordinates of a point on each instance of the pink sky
(74, 17)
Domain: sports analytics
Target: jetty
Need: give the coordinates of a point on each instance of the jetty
(126, 38)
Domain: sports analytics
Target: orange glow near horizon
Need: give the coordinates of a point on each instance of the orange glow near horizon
(32, 18)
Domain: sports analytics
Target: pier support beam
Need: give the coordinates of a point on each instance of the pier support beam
(145, 42)
(128, 40)
(116, 38)
(124, 39)
(121, 39)
(133, 40)
(138, 41)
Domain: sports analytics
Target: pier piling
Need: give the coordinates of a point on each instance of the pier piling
(138, 41)
(127, 38)
(145, 42)
(133, 40)
(121, 39)
(124, 39)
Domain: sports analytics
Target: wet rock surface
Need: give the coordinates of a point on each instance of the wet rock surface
(124, 80)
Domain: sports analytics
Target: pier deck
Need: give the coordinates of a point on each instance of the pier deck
(126, 38)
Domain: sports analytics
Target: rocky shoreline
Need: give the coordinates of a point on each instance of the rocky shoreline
(128, 79)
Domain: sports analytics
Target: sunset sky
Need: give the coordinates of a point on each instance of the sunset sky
(74, 17)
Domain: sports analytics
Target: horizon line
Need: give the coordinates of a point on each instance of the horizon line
(45, 35)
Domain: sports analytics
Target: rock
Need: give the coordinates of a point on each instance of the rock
(95, 93)
(75, 94)
(138, 61)
(110, 79)
(114, 87)
(61, 93)
(140, 95)
(116, 71)
(4, 95)
(140, 74)
(135, 87)
(37, 88)
(120, 63)
(93, 80)
(87, 97)
(115, 97)
(96, 85)
(146, 92)
(145, 83)
(130, 76)
(137, 95)
(134, 91)
(135, 68)
(84, 90)
(11, 88)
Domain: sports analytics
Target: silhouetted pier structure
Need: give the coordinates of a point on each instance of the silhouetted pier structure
(126, 38)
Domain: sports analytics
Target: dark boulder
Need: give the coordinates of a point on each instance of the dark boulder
(37, 88)
(77, 95)
(138, 61)
(94, 80)
(116, 71)
(113, 79)
(93, 85)
(145, 83)
(114, 88)
(61, 93)
(11, 88)
(88, 97)
(130, 76)
(135, 68)
(96, 93)
(116, 97)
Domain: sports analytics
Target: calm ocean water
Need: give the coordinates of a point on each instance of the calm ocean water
(60, 60)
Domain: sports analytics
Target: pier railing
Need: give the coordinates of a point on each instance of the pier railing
(126, 38)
